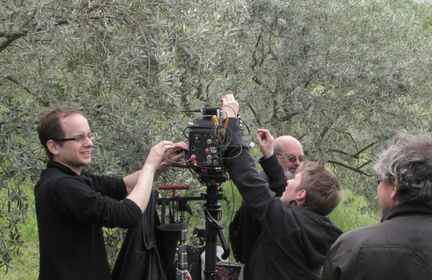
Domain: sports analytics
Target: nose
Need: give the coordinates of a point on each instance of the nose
(88, 141)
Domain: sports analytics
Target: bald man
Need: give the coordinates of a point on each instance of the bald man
(244, 229)
(290, 154)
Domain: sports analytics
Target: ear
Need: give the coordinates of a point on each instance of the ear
(301, 196)
(53, 147)
(394, 186)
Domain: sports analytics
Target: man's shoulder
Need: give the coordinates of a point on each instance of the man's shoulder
(362, 237)
(50, 174)
(55, 178)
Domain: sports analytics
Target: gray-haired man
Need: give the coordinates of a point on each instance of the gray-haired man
(400, 246)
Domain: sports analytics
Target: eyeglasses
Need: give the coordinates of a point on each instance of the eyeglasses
(292, 158)
(79, 138)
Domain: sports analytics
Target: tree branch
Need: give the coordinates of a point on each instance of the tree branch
(364, 149)
(10, 38)
(15, 81)
(254, 113)
(356, 155)
(355, 169)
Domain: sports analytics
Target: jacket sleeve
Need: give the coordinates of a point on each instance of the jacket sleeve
(265, 207)
(110, 186)
(275, 174)
(76, 200)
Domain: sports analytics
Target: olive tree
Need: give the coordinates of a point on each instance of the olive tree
(342, 76)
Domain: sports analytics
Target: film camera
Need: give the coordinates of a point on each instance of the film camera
(207, 137)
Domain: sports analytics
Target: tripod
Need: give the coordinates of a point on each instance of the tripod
(213, 213)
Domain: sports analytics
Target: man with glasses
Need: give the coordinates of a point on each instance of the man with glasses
(290, 154)
(72, 206)
(400, 246)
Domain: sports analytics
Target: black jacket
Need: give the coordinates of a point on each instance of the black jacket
(244, 229)
(294, 240)
(71, 210)
(399, 248)
(139, 257)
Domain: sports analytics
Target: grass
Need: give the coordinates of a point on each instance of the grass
(351, 213)
(27, 266)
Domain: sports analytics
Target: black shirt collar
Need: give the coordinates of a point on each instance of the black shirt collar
(55, 164)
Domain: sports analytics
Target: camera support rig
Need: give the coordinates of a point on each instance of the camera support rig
(205, 157)
(213, 229)
(213, 213)
(206, 138)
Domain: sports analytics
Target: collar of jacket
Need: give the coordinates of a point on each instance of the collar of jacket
(406, 209)
(55, 164)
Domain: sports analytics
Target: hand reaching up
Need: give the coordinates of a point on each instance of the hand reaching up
(230, 106)
(265, 141)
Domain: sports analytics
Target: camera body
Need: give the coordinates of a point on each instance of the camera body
(206, 138)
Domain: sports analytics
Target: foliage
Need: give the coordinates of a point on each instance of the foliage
(353, 212)
(343, 76)
(13, 212)
(26, 266)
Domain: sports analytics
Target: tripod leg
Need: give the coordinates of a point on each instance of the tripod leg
(213, 214)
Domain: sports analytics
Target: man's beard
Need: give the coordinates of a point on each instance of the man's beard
(288, 174)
